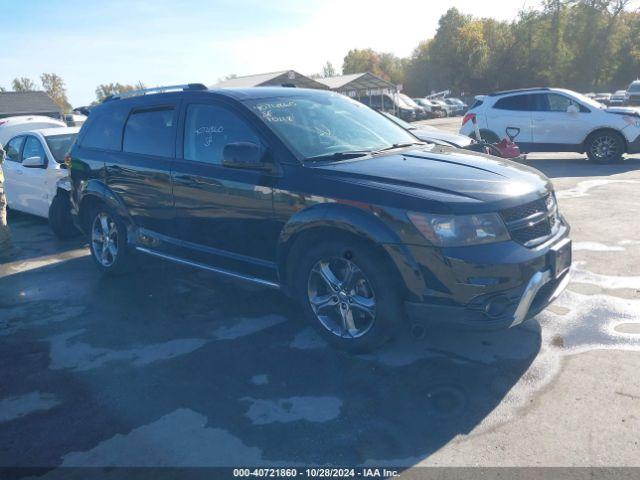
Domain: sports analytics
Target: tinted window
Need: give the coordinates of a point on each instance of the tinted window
(104, 128)
(516, 102)
(60, 145)
(208, 128)
(476, 104)
(150, 132)
(33, 148)
(13, 149)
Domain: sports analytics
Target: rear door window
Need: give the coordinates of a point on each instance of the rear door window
(208, 128)
(515, 102)
(13, 149)
(150, 132)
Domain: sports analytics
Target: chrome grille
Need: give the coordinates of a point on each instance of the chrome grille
(532, 223)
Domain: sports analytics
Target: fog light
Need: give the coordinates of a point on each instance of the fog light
(496, 306)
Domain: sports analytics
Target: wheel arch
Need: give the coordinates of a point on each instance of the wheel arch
(598, 130)
(95, 192)
(348, 222)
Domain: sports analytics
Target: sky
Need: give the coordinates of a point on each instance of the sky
(162, 42)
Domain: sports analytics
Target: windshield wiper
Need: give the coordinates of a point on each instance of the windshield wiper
(340, 155)
(400, 145)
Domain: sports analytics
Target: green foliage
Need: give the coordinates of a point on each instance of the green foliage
(584, 45)
(23, 84)
(107, 89)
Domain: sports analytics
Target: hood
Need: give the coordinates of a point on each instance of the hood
(444, 174)
(430, 134)
(633, 111)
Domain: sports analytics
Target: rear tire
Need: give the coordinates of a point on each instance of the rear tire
(605, 147)
(60, 217)
(108, 241)
(348, 294)
(487, 136)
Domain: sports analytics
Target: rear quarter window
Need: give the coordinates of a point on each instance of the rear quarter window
(103, 129)
(515, 102)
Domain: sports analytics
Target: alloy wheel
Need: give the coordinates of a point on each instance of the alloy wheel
(104, 239)
(341, 297)
(604, 147)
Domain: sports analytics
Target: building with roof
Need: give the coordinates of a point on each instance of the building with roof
(273, 79)
(27, 103)
(359, 84)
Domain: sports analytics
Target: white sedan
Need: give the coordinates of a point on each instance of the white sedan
(556, 120)
(33, 166)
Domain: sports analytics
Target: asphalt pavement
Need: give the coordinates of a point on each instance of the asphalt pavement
(170, 366)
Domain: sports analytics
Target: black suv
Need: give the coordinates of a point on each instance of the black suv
(316, 194)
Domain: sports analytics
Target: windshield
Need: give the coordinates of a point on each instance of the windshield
(634, 87)
(407, 100)
(60, 145)
(321, 125)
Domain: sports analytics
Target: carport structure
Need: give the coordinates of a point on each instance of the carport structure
(358, 85)
(273, 79)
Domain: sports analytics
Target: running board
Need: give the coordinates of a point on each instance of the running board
(239, 276)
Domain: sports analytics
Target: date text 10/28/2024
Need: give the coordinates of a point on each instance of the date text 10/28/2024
(315, 472)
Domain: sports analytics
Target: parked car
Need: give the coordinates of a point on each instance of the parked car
(33, 167)
(390, 103)
(603, 98)
(618, 98)
(557, 120)
(633, 93)
(458, 106)
(433, 110)
(74, 119)
(406, 101)
(11, 126)
(313, 193)
(448, 110)
(432, 134)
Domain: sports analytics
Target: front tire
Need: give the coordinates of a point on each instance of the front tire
(605, 147)
(348, 294)
(108, 242)
(60, 217)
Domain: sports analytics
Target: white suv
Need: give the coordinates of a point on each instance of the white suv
(33, 168)
(556, 120)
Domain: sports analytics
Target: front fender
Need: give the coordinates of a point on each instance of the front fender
(360, 220)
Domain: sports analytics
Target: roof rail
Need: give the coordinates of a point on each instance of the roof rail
(146, 91)
(516, 90)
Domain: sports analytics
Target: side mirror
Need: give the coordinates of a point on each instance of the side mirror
(34, 162)
(572, 109)
(244, 155)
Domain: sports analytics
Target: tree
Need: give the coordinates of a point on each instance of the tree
(328, 70)
(54, 86)
(23, 84)
(107, 89)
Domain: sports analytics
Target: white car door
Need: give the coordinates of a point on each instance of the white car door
(513, 113)
(559, 120)
(33, 193)
(11, 170)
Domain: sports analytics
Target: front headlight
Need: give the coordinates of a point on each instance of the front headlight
(460, 230)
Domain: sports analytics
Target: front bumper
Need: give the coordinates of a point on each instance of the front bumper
(493, 286)
(634, 146)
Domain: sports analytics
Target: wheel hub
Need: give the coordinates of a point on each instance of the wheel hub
(341, 297)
